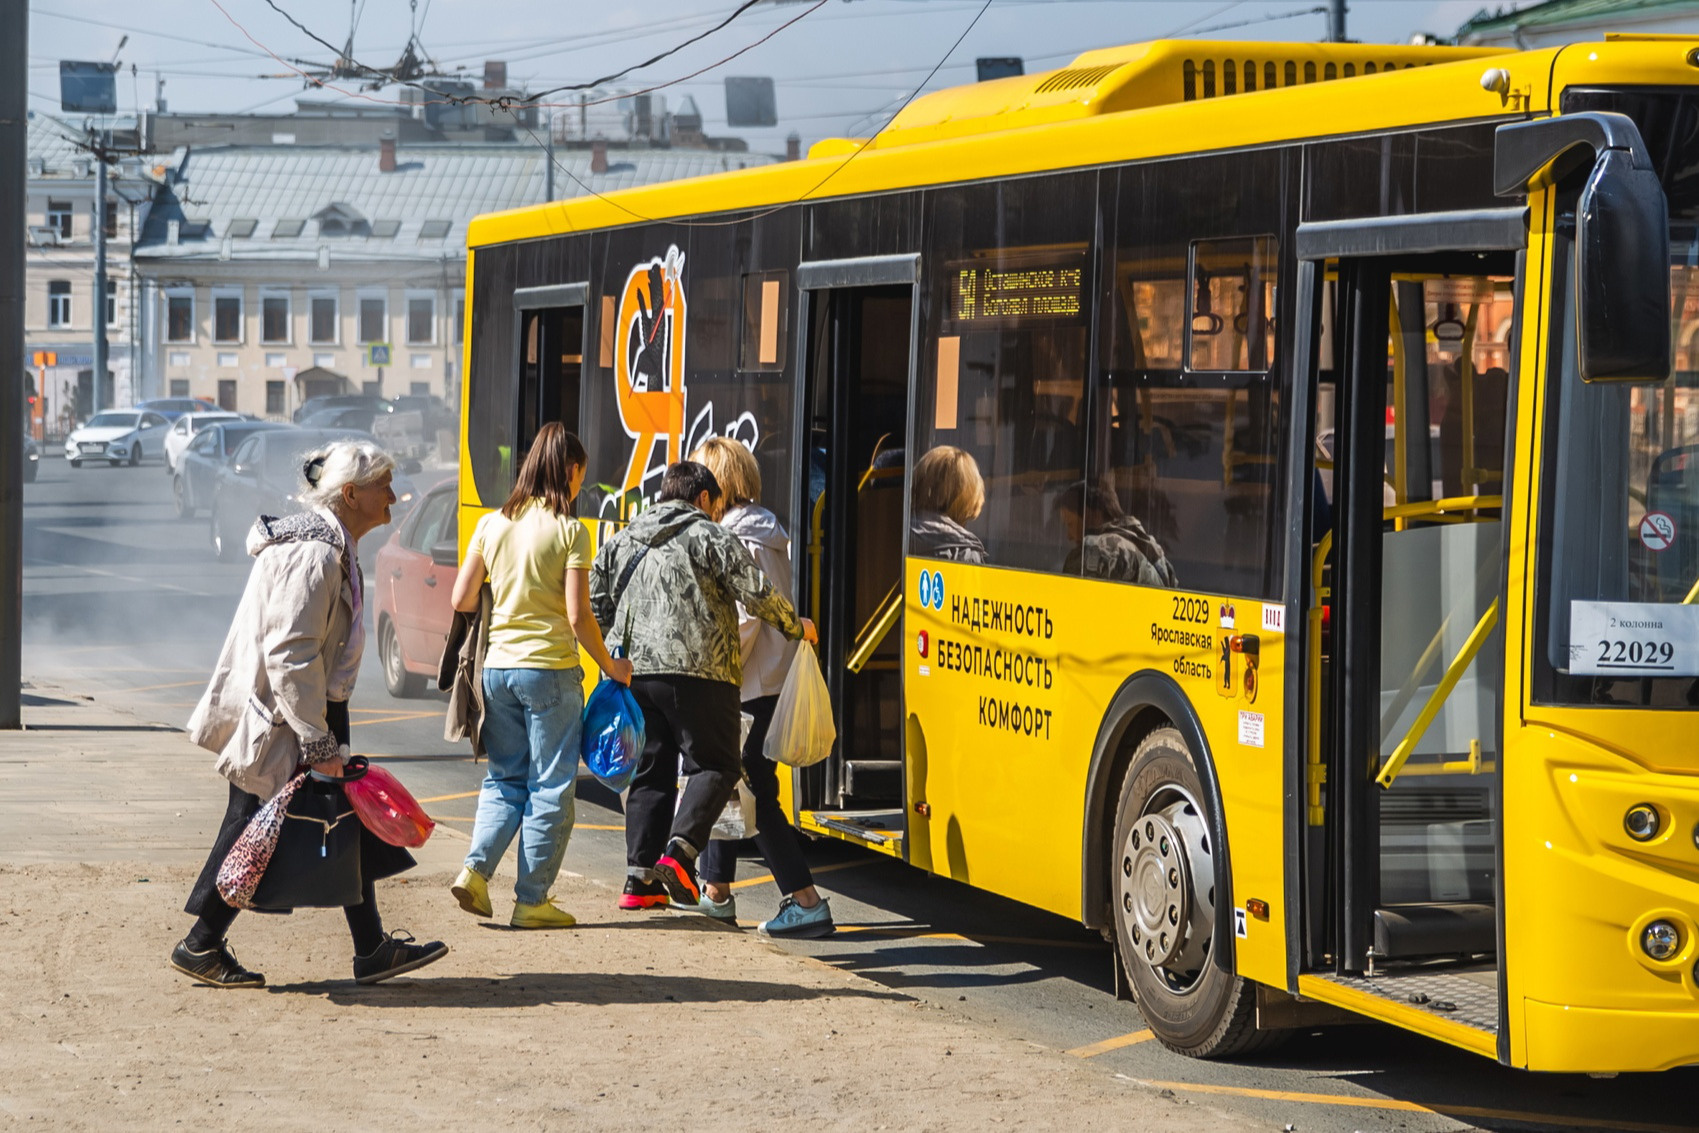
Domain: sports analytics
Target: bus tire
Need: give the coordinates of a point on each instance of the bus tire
(1163, 892)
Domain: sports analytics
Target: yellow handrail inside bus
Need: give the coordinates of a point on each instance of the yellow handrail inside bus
(1453, 674)
(890, 608)
(1315, 769)
(1691, 594)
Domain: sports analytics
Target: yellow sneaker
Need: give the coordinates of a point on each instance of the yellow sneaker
(544, 915)
(473, 893)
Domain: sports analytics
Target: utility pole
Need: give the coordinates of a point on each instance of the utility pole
(1336, 21)
(101, 392)
(549, 149)
(14, 102)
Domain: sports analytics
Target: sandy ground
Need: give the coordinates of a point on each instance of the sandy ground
(606, 1026)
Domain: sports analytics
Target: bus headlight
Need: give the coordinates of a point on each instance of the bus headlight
(1642, 822)
(1661, 940)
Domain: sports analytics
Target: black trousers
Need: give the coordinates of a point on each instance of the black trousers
(776, 840)
(378, 859)
(697, 719)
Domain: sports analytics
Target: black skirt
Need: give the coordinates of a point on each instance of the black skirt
(378, 859)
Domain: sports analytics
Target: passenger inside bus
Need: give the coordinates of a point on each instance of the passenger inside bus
(1105, 542)
(949, 492)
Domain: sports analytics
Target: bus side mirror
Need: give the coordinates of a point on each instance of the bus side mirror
(1622, 273)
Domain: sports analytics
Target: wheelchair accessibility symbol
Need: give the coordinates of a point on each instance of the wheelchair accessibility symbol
(931, 590)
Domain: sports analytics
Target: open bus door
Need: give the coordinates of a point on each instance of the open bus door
(1404, 582)
(550, 333)
(860, 316)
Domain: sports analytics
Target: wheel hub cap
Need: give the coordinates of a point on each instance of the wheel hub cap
(1165, 891)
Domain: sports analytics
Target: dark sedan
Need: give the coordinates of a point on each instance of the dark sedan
(196, 476)
(172, 408)
(263, 477)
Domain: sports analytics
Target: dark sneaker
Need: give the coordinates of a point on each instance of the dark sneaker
(216, 967)
(677, 871)
(395, 955)
(795, 921)
(640, 894)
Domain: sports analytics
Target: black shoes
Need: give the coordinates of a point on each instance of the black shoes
(677, 872)
(216, 967)
(395, 955)
(641, 894)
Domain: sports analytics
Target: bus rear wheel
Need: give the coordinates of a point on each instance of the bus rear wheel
(1164, 889)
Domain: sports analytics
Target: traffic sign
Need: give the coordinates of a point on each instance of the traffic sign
(377, 354)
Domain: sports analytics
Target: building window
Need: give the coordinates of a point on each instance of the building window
(274, 318)
(322, 319)
(372, 319)
(459, 319)
(419, 361)
(59, 218)
(179, 387)
(275, 361)
(372, 389)
(227, 318)
(274, 399)
(227, 359)
(111, 220)
(112, 302)
(227, 394)
(180, 318)
(58, 302)
(421, 319)
(419, 389)
(325, 361)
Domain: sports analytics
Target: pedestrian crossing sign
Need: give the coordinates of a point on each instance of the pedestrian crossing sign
(377, 354)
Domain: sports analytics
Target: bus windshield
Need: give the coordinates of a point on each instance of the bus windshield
(1621, 547)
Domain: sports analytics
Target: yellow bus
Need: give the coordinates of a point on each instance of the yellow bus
(1250, 496)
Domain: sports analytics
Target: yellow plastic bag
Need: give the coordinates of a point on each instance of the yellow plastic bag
(802, 733)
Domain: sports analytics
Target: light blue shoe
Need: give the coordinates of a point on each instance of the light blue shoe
(723, 911)
(795, 921)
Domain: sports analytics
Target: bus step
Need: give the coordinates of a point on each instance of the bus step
(880, 829)
(1435, 928)
(873, 778)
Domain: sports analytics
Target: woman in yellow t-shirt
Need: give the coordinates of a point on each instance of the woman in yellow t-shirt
(536, 558)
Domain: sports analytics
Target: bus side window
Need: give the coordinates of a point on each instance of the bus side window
(1003, 366)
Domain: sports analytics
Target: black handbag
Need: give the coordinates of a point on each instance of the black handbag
(316, 864)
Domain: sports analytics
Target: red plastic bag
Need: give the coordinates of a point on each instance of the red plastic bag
(387, 809)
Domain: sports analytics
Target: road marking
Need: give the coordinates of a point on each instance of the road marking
(392, 719)
(391, 711)
(153, 688)
(766, 877)
(1094, 1049)
(975, 938)
(450, 798)
(1557, 1120)
(143, 582)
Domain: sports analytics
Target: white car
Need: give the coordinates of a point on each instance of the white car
(117, 436)
(183, 431)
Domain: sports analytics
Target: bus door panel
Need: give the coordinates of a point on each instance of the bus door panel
(857, 374)
(1416, 562)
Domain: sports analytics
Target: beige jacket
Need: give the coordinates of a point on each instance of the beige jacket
(264, 709)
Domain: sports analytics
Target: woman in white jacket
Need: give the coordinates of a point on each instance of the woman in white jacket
(766, 662)
(278, 699)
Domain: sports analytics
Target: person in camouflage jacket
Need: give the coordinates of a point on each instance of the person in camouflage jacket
(666, 590)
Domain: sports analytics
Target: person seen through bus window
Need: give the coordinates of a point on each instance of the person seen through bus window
(767, 659)
(1105, 542)
(948, 493)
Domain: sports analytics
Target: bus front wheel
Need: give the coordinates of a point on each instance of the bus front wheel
(1164, 891)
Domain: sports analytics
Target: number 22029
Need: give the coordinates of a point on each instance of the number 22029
(1191, 610)
(1626, 653)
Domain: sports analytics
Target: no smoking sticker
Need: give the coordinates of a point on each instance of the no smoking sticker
(1657, 531)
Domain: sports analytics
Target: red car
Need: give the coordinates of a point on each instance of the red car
(412, 580)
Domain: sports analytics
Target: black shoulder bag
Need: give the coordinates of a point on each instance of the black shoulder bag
(317, 861)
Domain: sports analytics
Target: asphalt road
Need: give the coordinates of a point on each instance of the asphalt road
(125, 601)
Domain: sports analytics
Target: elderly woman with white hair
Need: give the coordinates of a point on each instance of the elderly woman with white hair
(278, 700)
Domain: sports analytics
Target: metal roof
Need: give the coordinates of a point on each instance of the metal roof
(209, 190)
(1556, 13)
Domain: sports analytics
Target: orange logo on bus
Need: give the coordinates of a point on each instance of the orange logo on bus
(649, 362)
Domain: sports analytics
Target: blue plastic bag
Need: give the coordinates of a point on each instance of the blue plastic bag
(612, 743)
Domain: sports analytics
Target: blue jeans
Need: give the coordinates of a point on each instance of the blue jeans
(531, 728)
